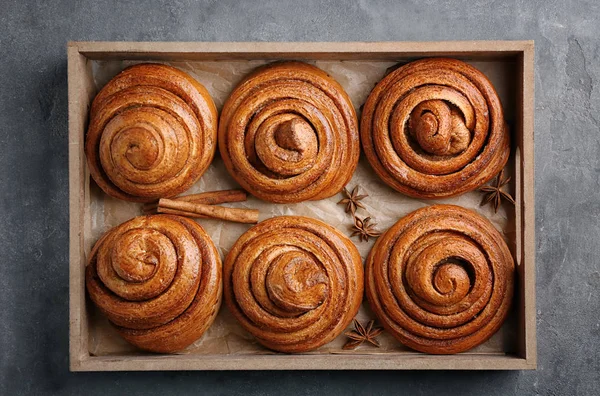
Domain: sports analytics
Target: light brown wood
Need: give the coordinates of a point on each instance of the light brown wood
(528, 205)
(80, 94)
(300, 50)
(345, 361)
(81, 90)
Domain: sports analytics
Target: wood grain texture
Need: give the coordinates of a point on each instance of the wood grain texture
(478, 49)
(80, 93)
(327, 362)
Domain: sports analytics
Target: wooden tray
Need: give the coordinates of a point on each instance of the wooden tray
(81, 56)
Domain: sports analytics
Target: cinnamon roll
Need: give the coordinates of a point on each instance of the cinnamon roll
(293, 282)
(152, 133)
(435, 128)
(289, 133)
(441, 279)
(158, 280)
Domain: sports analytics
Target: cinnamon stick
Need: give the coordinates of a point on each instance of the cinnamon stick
(178, 213)
(247, 216)
(207, 198)
(215, 197)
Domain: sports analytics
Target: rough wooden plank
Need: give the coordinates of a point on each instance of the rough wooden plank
(305, 362)
(81, 91)
(77, 325)
(529, 205)
(263, 50)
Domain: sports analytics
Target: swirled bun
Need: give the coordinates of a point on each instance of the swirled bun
(152, 133)
(158, 280)
(435, 128)
(289, 133)
(441, 279)
(293, 282)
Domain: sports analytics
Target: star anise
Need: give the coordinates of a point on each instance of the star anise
(494, 193)
(364, 229)
(362, 334)
(352, 200)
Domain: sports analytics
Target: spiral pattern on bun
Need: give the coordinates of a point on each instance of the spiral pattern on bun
(435, 128)
(152, 133)
(289, 133)
(293, 282)
(158, 280)
(441, 279)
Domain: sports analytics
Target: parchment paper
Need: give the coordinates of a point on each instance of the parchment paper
(385, 205)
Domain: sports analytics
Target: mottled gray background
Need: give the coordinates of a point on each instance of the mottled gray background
(34, 199)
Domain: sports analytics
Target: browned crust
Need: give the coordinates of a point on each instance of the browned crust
(319, 155)
(401, 162)
(427, 311)
(181, 320)
(301, 252)
(176, 102)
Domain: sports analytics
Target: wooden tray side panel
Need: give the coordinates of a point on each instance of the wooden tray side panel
(304, 362)
(525, 210)
(323, 51)
(528, 203)
(80, 94)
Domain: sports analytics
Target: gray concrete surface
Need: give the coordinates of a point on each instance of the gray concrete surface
(34, 200)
